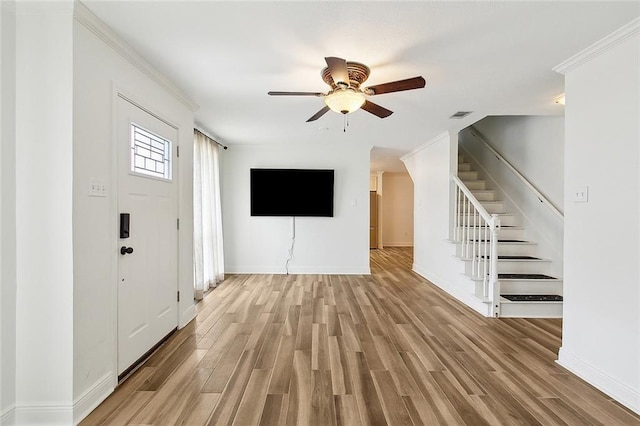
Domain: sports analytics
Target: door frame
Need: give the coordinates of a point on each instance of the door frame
(120, 94)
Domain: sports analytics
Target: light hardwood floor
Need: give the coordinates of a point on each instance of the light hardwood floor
(389, 348)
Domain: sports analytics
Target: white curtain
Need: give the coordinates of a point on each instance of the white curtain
(207, 215)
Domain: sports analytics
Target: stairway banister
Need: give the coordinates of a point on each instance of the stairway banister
(462, 224)
(543, 199)
(479, 207)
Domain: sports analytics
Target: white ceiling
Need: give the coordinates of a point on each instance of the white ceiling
(493, 58)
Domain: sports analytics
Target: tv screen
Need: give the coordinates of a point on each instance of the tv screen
(292, 192)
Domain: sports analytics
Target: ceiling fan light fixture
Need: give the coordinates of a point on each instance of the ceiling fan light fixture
(344, 101)
(345, 79)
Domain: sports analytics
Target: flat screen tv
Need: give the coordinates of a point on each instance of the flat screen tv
(292, 192)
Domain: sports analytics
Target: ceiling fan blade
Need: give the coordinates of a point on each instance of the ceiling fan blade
(338, 70)
(396, 86)
(376, 109)
(318, 114)
(296, 94)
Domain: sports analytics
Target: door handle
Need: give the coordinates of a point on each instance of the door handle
(126, 250)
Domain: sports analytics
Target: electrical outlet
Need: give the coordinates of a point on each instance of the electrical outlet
(97, 188)
(580, 194)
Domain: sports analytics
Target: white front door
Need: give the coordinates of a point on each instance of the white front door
(148, 258)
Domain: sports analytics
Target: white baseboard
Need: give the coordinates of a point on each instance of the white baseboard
(60, 414)
(398, 244)
(44, 414)
(259, 270)
(305, 270)
(468, 299)
(93, 396)
(331, 270)
(8, 416)
(622, 393)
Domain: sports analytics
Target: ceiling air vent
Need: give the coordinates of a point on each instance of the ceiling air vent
(461, 114)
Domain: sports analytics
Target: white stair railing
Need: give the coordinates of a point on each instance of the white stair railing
(476, 231)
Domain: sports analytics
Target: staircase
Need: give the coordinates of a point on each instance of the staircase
(524, 287)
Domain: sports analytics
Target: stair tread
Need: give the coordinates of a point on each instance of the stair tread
(510, 227)
(514, 277)
(532, 297)
(524, 276)
(514, 242)
(499, 214)
(500, 240)
(518, 258)
(507, 259)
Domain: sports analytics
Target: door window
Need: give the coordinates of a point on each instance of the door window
(150, 153)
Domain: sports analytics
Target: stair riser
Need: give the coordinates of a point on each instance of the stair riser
(533, 267)
(475, 184)
(531, 310)
(484, 196)
(468, 175)
(531, 287)
(524, 267)
(511, 234)
(494, 208)
(464, 167)
(503, 233)
(504, 249)
(490, 207)
(506, 219)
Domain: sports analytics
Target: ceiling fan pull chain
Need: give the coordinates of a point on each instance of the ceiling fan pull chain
(344, 126)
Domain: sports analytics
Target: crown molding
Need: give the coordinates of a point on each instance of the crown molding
(9, 5)
(621, 34)
(84, 16)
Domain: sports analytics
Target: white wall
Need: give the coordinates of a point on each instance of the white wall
(430, 167)
(534, 145)
(397, 209)
(44, 249)
(7, 211)
(100, 71)
(337, 245)
(601, 326)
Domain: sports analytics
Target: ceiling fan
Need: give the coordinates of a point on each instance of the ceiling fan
(344, 78)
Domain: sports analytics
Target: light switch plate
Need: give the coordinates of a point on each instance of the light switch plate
(97, 188)
(580, 194)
